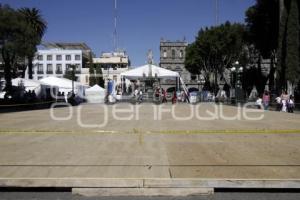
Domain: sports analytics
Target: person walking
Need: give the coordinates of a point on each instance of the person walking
(164, 96)
(266, 100)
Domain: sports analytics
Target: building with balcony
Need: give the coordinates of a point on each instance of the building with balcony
(56, 59)
(112, 65)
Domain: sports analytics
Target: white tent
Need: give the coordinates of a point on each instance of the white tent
(153, 71)
(95, 94)
(149, 70)
(38, 87)
(27, 83)
(65, 85)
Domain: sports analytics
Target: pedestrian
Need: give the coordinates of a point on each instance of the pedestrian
(284, 100)
(258, 103)
(140, 97)
(157, 93)
(278, 103)
(164, 96)
(290, 104)
(266, 100)
(174, 98)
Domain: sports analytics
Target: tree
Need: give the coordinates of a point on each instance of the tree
(262, 21)
(215, 49)
(70, 73)
(292, 46)
(288, 45)
(38, 27)
(12, 40)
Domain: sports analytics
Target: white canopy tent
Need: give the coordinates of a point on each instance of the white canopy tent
(152, 71)
(33, 85)
(95, 94)
(149, 70)
(27, 83)
(65, 85)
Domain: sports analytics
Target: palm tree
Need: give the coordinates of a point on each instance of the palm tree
(35, 21)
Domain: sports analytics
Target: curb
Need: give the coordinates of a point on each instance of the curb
(150, 183)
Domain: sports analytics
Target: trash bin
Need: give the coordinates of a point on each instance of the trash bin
(193, 97)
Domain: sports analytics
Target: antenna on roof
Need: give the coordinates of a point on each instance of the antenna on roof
(216, 12)
(115, 27)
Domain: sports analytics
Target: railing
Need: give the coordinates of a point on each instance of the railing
(49, 72)
(40, 72)
(58, 72)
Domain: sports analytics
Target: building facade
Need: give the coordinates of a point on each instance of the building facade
(57, 58)
(172, 57)
(112, 65)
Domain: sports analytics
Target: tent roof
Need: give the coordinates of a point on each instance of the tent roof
(151, 70)
(95, 88)
(25, 82)
(60, 82)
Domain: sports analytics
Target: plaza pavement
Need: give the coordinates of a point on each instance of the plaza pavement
(36, 150)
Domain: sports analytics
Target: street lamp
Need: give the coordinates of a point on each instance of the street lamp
(236, 84)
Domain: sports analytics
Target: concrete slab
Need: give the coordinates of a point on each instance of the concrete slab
(109, 192)
(37, 151)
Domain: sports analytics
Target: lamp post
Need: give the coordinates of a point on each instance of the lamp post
(236, 83)
(73, 77)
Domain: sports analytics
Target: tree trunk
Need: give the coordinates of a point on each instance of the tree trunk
(30, 67)
(271, 74)
(7, 72)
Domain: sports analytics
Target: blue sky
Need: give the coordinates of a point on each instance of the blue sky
(141, 23)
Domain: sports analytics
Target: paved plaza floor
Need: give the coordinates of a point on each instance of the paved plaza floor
(36, 150)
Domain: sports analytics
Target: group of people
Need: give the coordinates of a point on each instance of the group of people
(284, 102)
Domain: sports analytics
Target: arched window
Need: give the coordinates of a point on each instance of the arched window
(173, 53)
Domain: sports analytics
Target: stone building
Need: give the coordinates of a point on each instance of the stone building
(172, 56)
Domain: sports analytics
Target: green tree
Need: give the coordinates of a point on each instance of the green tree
(262, 21)
(13, 33)
(70, 73)
(38, 27)
(215, 49)
(288, 45)
(292, 45)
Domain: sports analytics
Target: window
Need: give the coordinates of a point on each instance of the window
(181, 54)
(68, 57)
(77, 57)
(40, 57)
(173, 53)
(178, 68)
(77, 67)
(49, 69)
(40, 69)
(86, 79)
(49, 57)
(165, 54)
(115, 78)
(58, 57)
(68, 67)
(58, 69)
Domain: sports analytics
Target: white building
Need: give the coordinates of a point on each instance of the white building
(57, 58)
(112, 65)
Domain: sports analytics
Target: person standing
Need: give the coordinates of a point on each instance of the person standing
(174, 98)
(266, 100)
(290, 104)
(164, 96)
(284, 100)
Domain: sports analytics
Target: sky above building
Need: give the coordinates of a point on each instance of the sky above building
(140, 26)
